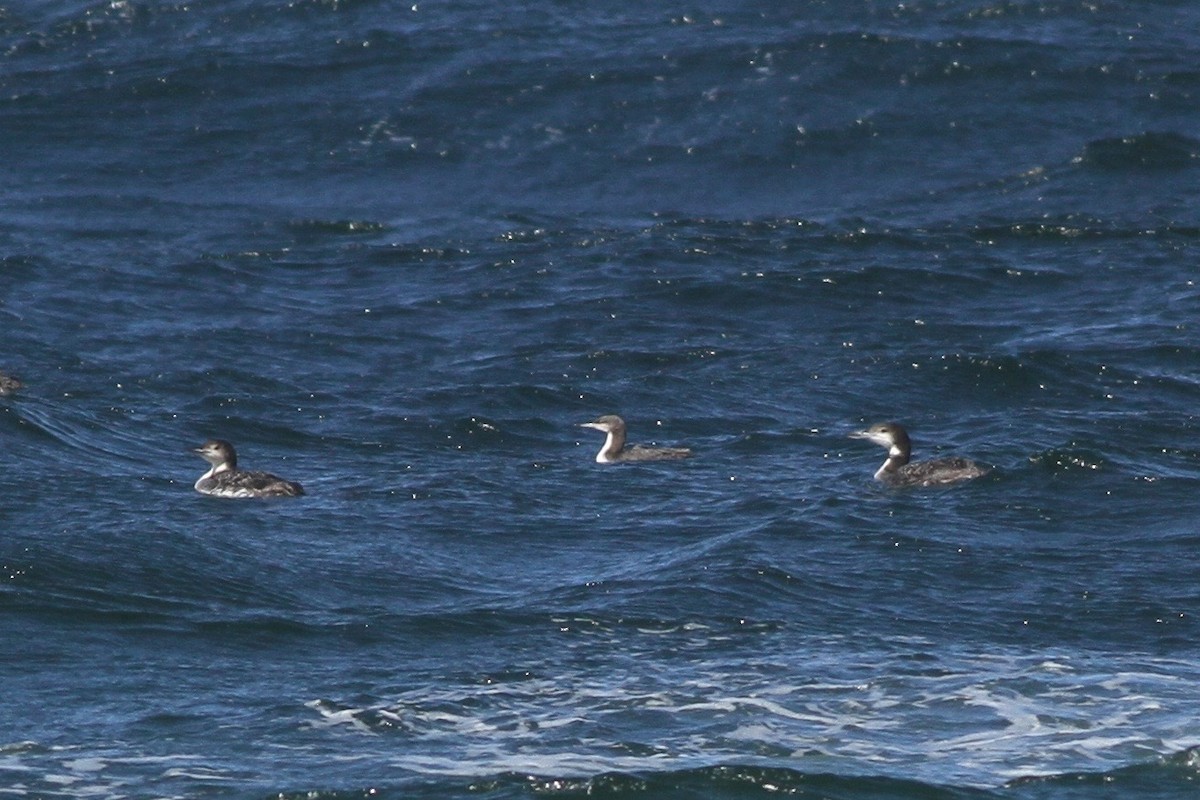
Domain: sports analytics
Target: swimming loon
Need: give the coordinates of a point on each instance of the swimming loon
(226, 480)
(9, 384)
(897, 471)
(614, 449)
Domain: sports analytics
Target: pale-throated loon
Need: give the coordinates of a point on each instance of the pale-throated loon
(614, 450)
(9, 384)
(897, 471)
(226, 480)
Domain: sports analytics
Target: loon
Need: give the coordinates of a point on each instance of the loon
(226, 480)
(614, 449)
(9, 384)
(897, 471)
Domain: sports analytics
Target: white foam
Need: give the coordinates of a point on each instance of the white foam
(968, 719)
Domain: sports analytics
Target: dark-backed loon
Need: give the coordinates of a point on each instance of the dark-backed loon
(897, 471)
(226, 480)
(614, 450)
(9, 384)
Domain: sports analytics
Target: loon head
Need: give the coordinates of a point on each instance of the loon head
(614, 426)
(609, 423)
(218, 452)
(887, 434)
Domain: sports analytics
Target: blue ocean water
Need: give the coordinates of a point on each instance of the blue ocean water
(398, 252)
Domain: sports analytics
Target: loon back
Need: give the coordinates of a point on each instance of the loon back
(639, 452)
(247, 483)
(935, 472)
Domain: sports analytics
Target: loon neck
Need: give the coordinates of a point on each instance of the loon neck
(897, 457)
(216, 469)
(613, 445)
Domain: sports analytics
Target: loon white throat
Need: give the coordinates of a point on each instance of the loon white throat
(226, 480)
(614, 450)
(898, 471)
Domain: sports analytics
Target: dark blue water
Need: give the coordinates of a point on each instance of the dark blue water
(399, 252)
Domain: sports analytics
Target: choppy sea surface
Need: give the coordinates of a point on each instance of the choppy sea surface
(398, 252)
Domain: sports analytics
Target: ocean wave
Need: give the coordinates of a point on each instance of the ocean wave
(1146, 151)
(1169, 777)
